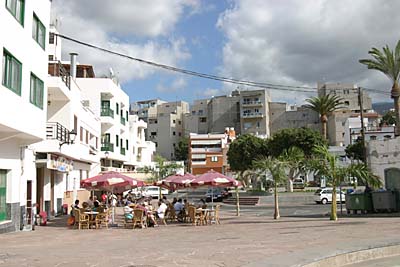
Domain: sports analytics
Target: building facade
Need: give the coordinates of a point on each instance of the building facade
(208, 151)
(254, 112)
(165, 123)
(23, 96)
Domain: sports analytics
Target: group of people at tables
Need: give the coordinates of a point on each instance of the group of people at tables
(154, 215)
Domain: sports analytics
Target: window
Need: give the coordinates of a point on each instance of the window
(179, 122)
(12, 73)
(127, 144)
(51, 38)
(51, 57)
(117, 108)
(200, 112)
(87, 137)
(38, 31)
(81, 134)
(214, 159)
(3, 192)
(117, 140)
(127, 116)
(173, 121)
(17, 9)
(173, 133)
(372, 137)
(347, 103)
(36, 96)
(75, 123)
(203, 119)
(180, 134)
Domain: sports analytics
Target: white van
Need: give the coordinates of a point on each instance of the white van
(154, 191)
(324, 195)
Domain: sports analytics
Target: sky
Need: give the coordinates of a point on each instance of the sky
(285, 42)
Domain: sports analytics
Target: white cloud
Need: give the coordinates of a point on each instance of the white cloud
(302, 42)
(178, 84)
(136, 28)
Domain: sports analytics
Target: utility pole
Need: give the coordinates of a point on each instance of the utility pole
(360, 102)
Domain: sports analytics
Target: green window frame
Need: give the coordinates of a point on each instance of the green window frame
(127, 144)
(17, 9)
(117, 140)
(38, 31)
(3, 195)
(37, 89)
(12, 72)
(117, 108)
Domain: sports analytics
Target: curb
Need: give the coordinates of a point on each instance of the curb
(357, 256)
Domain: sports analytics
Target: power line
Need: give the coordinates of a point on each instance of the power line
(270, 86)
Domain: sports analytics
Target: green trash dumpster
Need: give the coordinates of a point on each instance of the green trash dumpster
(384, 201)
(359, 202)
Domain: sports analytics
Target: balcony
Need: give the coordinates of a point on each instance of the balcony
(107, 147)
(251, 103)
(252, 115)
(205, 150)
(122, 120)
(56, 69)
(55, 131)
(107, 112)
(122, 151)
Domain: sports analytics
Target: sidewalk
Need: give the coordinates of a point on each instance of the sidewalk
(244, 241)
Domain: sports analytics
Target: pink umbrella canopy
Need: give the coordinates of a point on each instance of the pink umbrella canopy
(176, 181)
(213, 178)
(112, 181)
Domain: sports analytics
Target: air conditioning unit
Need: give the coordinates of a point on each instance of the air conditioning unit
(85, 103)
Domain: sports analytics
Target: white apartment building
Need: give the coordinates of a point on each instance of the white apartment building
(22, 105)
(372, 129)
(254, 112)
(142, 151)
(111, 104)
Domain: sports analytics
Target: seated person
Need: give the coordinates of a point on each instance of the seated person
(75, 206)
(201, 204)
(150, 214)
(85, 205)
(96, 206)
(162, 209)
(178, 206)
(128, 212)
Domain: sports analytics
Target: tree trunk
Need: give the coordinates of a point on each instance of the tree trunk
(276, 205)
(324, 121)
(237, 202)
(395, 93)
(397, 111)
(334, 205)
(289, 185)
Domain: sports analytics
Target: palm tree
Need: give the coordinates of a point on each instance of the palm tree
(276, 167)
(388, 63)
(324, 105)
(297, 164)
(326, 164)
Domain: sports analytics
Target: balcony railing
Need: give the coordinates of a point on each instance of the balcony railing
(107, 147)
(252, 115)
(252, 103)
(58, 70)
(55, 131)
(122, 120)
(107, 112)
(122, 151)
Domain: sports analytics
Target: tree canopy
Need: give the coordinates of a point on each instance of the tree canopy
(355, 151)
(304, 138)
(182, 149)
(389, 118)
(244, 150)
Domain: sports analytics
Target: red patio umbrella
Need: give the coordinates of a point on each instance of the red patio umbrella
(111, 181)
(213, 178)
(176, 181)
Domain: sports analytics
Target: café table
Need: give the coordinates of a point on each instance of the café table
(92, 216)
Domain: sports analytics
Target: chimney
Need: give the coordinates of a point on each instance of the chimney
(73, 65)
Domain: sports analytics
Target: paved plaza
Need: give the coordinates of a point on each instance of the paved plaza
(249, 240)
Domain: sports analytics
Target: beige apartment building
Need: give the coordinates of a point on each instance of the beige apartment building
(165, 123)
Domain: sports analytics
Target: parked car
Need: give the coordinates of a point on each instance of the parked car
(298, 183)
(324, 195)
(218, 194)
(154, 191)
